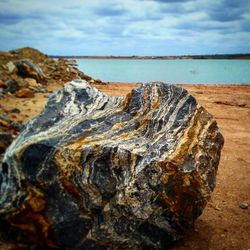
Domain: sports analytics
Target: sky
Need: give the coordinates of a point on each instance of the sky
(126, 27)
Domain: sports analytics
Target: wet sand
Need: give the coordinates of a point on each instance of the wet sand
(223, 224)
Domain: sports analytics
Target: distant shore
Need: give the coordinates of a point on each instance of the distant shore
(184, 57)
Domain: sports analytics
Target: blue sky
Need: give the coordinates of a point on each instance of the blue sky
(126, 27)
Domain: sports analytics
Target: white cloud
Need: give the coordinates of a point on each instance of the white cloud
(124, 27)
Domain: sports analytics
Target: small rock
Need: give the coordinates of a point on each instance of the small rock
(1, 93)
(98, 81)
(3, 84)
(74, 70)
(42, 89)
(4, 123)
(11, 67)
(25, 92)
(35, 90)
(85, 77)
(244, 205)
(28, 68)
(71, 62)
(13, 116)
(22, 83)
(15, 110)
(12, 86)
(5, 140)
(32, 82)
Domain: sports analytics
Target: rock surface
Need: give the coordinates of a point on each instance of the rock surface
(94, 171)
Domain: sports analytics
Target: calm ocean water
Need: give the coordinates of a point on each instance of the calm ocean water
(170, 71)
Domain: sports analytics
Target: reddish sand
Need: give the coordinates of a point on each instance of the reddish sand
(223, 224)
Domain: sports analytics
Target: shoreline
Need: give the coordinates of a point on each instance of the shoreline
(184, 57)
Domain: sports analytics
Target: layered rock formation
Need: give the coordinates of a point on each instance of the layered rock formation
(21, 65)
(94, 171)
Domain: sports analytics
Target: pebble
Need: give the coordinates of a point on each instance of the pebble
(25, 93)
(3, 84)
(244, 205)
(15, 110)
(11, 67)
(12, 86)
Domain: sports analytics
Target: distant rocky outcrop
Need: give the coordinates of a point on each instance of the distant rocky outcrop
(94, 171)
(18, 65)
(215, 56)
(26, 71)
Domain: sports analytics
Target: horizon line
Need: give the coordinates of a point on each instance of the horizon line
(198, 56)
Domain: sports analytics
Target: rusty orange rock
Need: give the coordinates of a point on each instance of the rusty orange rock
(3, 84)
(24, 93)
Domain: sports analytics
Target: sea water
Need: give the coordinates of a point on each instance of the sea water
(170, 71)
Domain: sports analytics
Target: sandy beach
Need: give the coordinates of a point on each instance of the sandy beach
(223, 224)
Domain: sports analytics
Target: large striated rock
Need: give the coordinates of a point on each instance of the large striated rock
(94, 171)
